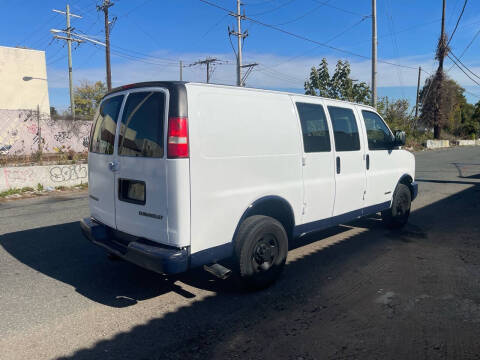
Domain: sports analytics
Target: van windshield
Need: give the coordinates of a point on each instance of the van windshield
(141, 130)
(103, 134)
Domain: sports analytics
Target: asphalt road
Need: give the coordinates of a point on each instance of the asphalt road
(356, 291)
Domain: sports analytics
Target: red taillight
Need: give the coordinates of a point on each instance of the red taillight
(177, 137)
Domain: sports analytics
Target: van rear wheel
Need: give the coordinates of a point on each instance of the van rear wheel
(397, 216)
(261, 247)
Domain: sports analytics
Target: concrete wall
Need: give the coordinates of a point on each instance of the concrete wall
(19, 133)
(465, 142)
(436, 144)
(23, 78)
(52, 176)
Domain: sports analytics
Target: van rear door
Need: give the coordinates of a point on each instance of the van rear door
(101, 160)
(140, 175)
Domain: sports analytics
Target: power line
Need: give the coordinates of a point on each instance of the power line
(339, 8)
(466, 68)
(288, 2)
(394, 43)
(463, 70)
(134, 9)
(306, 38)
(311, 11)
(466, 48)
(458, 22)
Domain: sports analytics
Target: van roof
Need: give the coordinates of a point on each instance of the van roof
(181, 84)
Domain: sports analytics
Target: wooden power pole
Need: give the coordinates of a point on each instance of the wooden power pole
(418, 92)
(442, 51)
(104, 7)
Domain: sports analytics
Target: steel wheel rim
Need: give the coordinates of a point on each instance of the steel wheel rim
(265, 252)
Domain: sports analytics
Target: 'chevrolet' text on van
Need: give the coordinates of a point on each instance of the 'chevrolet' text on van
(185, 174)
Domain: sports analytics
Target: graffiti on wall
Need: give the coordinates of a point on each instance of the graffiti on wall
(68, 173)
(21, 131)
(14, 176)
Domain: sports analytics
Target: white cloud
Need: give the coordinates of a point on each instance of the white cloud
(273, 72)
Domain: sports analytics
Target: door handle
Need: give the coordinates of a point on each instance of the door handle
(368, 161)
(338, 164)
(113, 165)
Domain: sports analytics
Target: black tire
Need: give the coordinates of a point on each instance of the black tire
(397, 216)
(261, 248)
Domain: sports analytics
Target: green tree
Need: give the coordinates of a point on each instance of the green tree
(447, 98)
(396, 113)
(338, 86)
(87, 97)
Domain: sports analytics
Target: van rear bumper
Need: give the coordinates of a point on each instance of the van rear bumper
(155, 257)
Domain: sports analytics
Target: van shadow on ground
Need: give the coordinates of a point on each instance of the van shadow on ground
(329, 303)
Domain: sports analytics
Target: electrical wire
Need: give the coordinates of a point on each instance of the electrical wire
(458, 22)
(466, 48)
(391, 27)
(288, 2)
(465, 67)
(463, 70)
(302, 37)
(311, 11)
(339, 8)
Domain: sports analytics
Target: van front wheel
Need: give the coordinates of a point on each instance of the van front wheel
(397, 216)
(261, 247)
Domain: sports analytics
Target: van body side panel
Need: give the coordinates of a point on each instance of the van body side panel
(244, 145)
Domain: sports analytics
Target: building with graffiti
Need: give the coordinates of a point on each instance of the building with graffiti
(25, 123)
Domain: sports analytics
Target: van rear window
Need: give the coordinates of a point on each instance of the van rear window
(141, 130)
(103, 134)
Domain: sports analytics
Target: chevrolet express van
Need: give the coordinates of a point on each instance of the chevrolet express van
(185, 174)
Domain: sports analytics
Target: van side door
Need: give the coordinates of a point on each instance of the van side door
(318, 160)
(382, 161)
(350, 177)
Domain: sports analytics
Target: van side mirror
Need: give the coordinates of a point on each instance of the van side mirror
(400, 138)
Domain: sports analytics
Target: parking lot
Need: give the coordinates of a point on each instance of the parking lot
(354, 291)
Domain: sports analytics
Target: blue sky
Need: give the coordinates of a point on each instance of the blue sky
(149, 37)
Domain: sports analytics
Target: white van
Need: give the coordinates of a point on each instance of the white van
(186, 174)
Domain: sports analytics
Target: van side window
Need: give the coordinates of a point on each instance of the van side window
(314, 128)
(103, 134)
(141, 130)
(345, 129)
(378, 134)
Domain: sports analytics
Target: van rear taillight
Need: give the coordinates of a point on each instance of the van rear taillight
(177, 138)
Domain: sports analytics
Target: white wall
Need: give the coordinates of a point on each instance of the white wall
(18, 177)
(16, 93)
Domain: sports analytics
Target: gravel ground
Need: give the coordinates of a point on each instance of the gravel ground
(356, 291)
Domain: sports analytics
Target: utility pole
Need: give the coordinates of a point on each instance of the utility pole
(207, 62)
(69, 40)
(442, 51)
(240, 36)
(418, 92)
(374, 53)
(104, 7)
(249, 68)
(181, 70)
